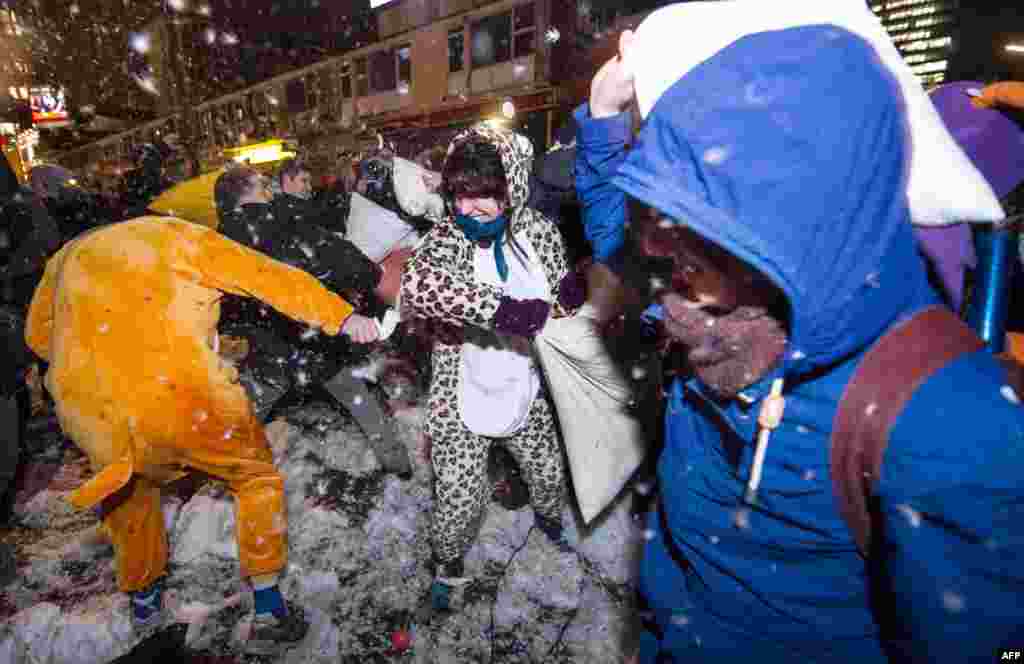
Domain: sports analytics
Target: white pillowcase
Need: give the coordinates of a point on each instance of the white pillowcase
(412, 193)
(376, 230)
(944, 187)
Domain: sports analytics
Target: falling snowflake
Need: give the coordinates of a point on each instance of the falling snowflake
(809, 475)
(680, 620)
(873, 280)
(798, 355)
(203, 10)
(649, 534)
(913, 516)
(139, 42)
(74, 9)
(643, 488)
(657, 283)
(306, 249)
(716, 155)
(953, 602)
(176, 5)
(714, 539)
(802, 429)
(302, 378)
(103, 328)
(201, 415)
(639, 373)
(147, 83)
(228, 434)
(741, 519)
(357, 401)
(871, 409)
(1009, 394)
(310, 333)
(210, 36)
(229, 39)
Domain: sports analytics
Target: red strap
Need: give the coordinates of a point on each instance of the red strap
(899, 362)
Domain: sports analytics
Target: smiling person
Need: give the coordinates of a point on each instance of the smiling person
(778, 196)
(488, 275)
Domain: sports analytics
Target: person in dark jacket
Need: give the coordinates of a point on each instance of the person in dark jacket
(73, 207)
(146, 181)
(295, 205)
(780, 200)
(27, 238)
(287, 356)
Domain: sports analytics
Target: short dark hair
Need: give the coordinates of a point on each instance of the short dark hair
(291, 168)
(231, 186)
(474, 170)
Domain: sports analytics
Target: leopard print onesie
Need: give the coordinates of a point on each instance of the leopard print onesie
(439, 283)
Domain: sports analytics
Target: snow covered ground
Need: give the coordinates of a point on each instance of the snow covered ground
(358, 563)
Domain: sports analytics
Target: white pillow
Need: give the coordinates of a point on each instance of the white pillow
(376, 230)
(944, 187)
(412, 193)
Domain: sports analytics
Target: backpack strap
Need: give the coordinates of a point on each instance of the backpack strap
(884, 381)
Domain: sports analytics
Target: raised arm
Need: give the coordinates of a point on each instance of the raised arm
(220, 263)
(432, 289)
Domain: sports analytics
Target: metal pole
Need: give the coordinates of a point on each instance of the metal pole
(996, 246)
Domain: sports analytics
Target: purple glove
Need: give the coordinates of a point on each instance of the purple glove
(523, 318)
(572, 290)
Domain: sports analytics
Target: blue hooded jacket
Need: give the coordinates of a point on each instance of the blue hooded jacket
(789, 149)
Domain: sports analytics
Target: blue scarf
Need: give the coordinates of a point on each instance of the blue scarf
(493, 231)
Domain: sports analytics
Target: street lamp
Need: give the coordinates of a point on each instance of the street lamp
(1015, 48)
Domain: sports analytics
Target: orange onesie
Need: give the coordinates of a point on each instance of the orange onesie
(126, 315)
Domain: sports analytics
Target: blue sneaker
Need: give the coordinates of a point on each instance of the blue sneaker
(147, 607)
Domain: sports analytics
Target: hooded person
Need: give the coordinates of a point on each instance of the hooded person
(126, 315)
(488, 275)
(780, 199)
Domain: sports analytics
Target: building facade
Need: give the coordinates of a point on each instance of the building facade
(436, 66)
(15, 65)
(926, 33)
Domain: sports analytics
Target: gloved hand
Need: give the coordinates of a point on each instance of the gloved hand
(524, 318)
(572, 290)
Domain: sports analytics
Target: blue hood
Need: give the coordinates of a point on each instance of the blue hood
(789, 149)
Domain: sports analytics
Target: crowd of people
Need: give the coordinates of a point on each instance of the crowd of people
(749, 219)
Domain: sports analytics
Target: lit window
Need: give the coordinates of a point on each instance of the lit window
(927, 44)
(928, 67)
(456, 47)
(501, 37)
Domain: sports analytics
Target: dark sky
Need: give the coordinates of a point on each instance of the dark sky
(984, 33)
